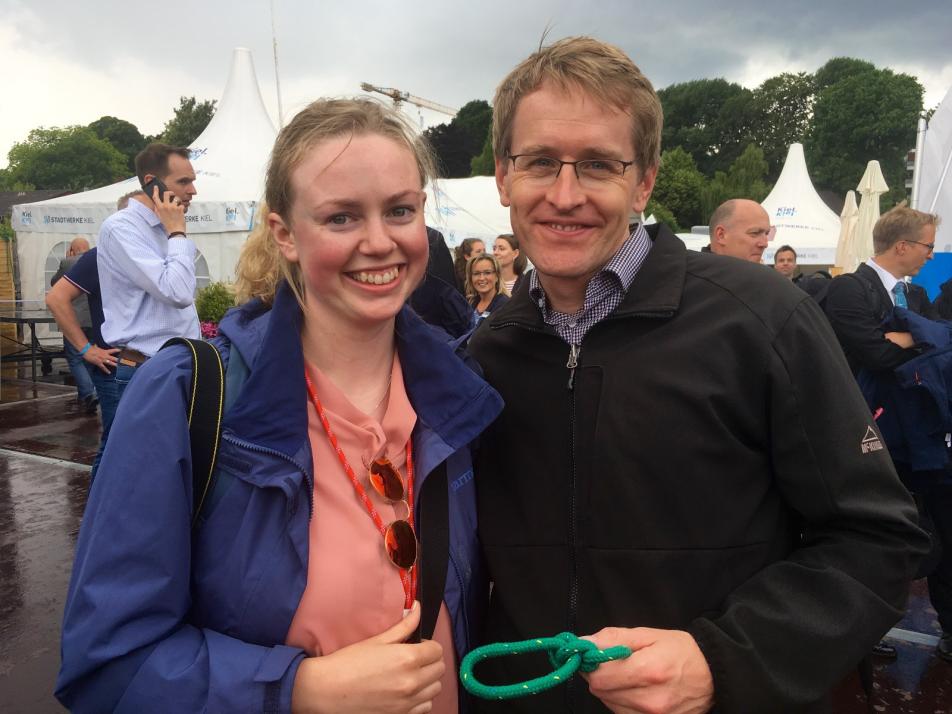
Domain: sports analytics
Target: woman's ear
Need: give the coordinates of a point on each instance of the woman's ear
(283, 237)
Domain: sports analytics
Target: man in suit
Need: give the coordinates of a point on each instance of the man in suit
(859, 305)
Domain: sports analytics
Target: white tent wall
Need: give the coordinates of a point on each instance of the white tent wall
(466, 208)
(934, 173)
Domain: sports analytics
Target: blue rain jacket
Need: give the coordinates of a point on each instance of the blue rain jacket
(160, 618)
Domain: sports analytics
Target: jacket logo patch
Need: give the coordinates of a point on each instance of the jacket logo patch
(462, 480)
(870, 442)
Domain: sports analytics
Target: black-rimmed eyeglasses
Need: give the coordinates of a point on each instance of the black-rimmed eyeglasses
(593, 172)
(928, 246)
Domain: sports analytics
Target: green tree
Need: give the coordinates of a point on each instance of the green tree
(709, 119)
(745, 179)
(463, 138)
(72, 158)
(663, 215)
(9, 183)
(484, 164)
(188, 121)
(838, 69)
(863, 116)
(782, 111)
(679, 187)
(124, 135)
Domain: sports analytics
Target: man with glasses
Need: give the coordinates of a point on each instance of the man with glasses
(659, 477)
(860, 307)
(741, 229)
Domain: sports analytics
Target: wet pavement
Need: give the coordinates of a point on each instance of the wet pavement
(46, 446)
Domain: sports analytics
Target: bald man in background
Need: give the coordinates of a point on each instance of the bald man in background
(741, 229)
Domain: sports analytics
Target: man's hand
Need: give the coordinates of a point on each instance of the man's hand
(103, 359)
(903, 339)
(666, 673)
(171, 212)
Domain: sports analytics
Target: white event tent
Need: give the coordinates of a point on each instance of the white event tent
(932, 191)
(466, 208)
(229, 158)
(802, 219)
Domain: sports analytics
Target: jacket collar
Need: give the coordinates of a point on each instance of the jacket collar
(449, 398)
(655, 292)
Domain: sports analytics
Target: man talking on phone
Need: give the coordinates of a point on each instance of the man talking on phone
(146, 265)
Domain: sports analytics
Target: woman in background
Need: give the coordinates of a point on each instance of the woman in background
(484, 288)
(464, 251)
(511, 260)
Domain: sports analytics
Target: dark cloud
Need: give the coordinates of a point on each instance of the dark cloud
(452, 51)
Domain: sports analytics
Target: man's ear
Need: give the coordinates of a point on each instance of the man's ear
(717, 237)
(283, 237)
(502, 169)
(643, 190)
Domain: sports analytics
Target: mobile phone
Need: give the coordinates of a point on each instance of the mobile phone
(151, 184)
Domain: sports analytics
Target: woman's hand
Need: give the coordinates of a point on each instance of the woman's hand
(379, 674)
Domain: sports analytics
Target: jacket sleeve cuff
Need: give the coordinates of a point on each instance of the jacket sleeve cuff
(700, 631)
(277, 673)
(184, 246)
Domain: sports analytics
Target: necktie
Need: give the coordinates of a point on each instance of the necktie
(899, 290)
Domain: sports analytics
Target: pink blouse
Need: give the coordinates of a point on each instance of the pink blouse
(353, 591)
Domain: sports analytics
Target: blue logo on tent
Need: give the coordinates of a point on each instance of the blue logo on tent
(785, 212)
(26, 218)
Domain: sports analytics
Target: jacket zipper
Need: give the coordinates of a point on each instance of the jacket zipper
(284, 457)
(571, 365)
(574, 351)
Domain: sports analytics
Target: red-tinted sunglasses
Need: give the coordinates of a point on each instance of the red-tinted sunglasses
(399, 539)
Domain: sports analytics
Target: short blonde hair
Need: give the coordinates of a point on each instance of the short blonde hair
(598, 69)
(261, 266)
(900, 223)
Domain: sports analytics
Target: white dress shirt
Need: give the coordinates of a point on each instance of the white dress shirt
(886, 278)
(147, 281)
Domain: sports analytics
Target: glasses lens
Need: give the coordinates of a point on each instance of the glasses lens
(600, 169)
(386, 480)
(401, 544)
(537, 166)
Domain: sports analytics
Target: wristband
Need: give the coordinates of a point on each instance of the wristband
(85, 349)
(177, 233)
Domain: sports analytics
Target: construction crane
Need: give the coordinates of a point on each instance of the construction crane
(399, 96)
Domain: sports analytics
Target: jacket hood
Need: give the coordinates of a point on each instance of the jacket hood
(449, 398)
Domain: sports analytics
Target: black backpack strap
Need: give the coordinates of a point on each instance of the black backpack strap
(206, 403)
(435, 548)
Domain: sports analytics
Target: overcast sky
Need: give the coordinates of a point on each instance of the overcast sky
(66, 62)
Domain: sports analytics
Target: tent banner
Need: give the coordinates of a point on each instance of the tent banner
(217, 217)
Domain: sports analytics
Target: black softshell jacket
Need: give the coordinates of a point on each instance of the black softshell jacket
(710, 466)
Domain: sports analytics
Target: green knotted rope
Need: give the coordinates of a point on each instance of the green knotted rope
(567, 653)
